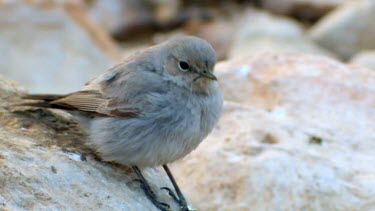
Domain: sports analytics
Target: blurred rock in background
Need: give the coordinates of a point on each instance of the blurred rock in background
(262, 32)
(305, 10)
(135, 19)
(46, 49)
(297, 132)
(123, 18)
(349, 29)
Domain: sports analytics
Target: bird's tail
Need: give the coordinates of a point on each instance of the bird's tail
(44, 97)
(41, 100)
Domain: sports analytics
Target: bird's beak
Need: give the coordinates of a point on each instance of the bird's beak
(207, 74)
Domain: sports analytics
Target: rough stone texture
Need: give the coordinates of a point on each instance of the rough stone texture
(44, 49)
(365, 59)
(260, 32)
(347, 30)
(44, 165)
(304, 9)
(303, 138)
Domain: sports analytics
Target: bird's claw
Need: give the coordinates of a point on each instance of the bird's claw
(137, 180)
(162, 206)
(172, 194)
(181, 203)
(152, 196)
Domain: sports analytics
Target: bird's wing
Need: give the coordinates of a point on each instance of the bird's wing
(119, 92)
(94, 102)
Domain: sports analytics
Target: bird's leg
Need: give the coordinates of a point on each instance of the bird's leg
(180, 199)
(148, 191)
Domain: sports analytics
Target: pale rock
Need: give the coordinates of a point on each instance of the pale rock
(46, 51)
(348, 29)
(365, 59)
(262, 32)
(299, 136)
(45, 165)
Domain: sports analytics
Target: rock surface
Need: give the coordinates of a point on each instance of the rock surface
(347, 30)
(365, 59)
(262, 32)
(44, 165)
(44, 49)
(302, 138)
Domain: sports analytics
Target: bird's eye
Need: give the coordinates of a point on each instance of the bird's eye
(184, 66)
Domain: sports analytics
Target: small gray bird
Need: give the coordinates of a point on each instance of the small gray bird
(152, 109)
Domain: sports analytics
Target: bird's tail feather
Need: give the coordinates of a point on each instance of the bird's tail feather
(43, 97)
(40, 100)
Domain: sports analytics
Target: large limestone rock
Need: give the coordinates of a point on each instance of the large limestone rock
(298, 134)
(45, 165)
(261, 32)
(51, 48)
(348, 29)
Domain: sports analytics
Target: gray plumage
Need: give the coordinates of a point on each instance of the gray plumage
(155, 107)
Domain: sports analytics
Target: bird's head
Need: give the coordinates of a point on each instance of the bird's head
(190, 63)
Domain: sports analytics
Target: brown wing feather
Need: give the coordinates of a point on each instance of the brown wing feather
(82, 100)
(94, 102)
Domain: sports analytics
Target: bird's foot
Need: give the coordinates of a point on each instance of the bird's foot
(171, 193)
(152, 197)
(179, 200)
